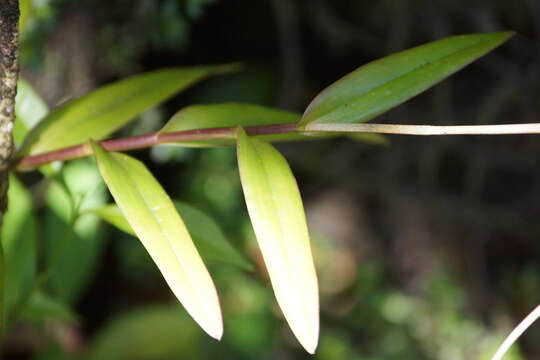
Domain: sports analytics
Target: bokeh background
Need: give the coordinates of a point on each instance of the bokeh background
(426, 247)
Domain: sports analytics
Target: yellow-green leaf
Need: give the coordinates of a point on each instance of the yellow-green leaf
(206, 233)
(105, 110)
(151, 214)
(278, 218)
(385, 83)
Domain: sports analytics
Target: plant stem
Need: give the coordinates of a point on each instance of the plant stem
(152, 139)
(516, 333)
(533, 128)
(147, 140)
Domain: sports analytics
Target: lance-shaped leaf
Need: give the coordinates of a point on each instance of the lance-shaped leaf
(73, 249)
(206, 233)
(383, 84)
(230, 115)
(105, 110)
(19, 242)
(278, 218)
(151, 214)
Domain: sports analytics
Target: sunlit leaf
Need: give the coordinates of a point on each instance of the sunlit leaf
(19, 244)
(30, 109)
(73, 250)
(383, 84)
(151, 214)
(105, 110)
(278, 218)
(206, 233)
(153, 333)
(232, 114)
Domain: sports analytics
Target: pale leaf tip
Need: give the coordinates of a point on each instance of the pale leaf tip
(214, 328)
(308, 334)
(310, 344)
(208, 316)
(216, 333)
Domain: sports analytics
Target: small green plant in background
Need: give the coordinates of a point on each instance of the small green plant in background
(172, 232)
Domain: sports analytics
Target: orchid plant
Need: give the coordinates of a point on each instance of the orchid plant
(82, 127)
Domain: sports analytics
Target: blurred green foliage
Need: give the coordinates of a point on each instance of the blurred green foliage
(126, 29)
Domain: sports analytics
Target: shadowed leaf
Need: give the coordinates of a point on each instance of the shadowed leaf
(42, 306)
(19, 239)
(206, 233)
(73, 250)
(151, 333)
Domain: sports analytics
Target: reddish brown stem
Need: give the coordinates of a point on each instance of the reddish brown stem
(147, 140)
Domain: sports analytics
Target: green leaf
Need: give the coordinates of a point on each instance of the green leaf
(152, 333)
(383, 84)
(41, 306)
(209, 237)
(277, 216)
(2, 293)
(152, 215)
(112, 214)
(30, 109)
(107, 109)
(230, 115)
(19, 239)
(206, 233)
(73, 245)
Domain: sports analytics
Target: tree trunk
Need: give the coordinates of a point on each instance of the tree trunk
(9, 68)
